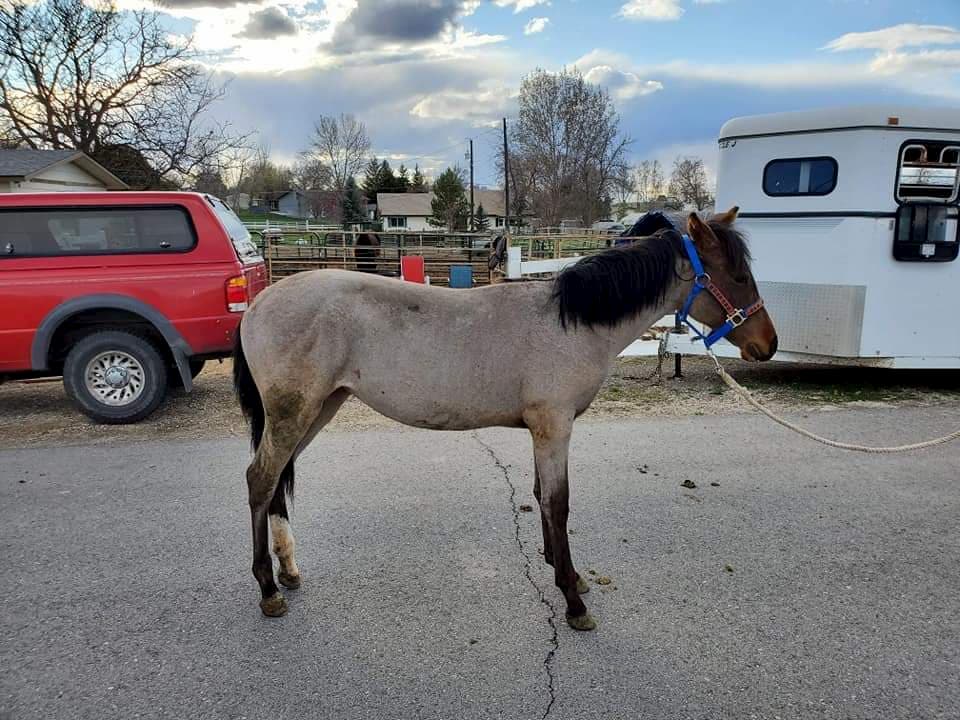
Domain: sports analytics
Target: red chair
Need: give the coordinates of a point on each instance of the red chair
(412, 269)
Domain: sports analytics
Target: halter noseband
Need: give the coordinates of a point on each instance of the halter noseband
(701, 281)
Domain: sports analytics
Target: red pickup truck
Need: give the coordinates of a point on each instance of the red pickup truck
(121, 293)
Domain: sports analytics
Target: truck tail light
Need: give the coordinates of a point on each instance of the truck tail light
(238, 298)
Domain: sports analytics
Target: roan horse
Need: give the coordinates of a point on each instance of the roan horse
(527, 354)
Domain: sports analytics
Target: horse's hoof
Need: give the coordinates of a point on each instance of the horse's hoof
(583, 587)
(274, 606)
(289, 581)
(583, 622)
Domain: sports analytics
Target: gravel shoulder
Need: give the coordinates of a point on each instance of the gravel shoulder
(38, 413)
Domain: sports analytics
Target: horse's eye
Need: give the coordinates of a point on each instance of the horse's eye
(741, 279)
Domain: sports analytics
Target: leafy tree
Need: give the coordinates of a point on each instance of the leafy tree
(481, 221)
(351, 204)
(418, 184)
(449, 205)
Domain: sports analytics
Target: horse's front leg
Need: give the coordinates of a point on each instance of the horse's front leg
(582, 586)
(551, 441)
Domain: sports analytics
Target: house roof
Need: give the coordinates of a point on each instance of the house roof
(842, 118)
(492, 201)
(418, 204)
(407, 204)
(26, 163)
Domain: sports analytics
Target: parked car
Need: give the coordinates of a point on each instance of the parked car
(122, 294)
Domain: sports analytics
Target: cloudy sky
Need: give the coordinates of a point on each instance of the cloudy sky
(425, 75)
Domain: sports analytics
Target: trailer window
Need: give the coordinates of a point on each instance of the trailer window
(928, 171)
(800, 176)
(38, 232)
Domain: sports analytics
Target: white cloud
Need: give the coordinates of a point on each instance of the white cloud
(898, 70)
(479, 107)
(520, 5)
(918, 63)
(652, 10)
(896, 37)
(622, 85)
(536, 25)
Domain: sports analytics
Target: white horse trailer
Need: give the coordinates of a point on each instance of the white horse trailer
(851, 216)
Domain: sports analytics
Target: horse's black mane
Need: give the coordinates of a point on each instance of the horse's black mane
(619, 283)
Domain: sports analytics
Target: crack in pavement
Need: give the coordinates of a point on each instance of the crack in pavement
(528, 560)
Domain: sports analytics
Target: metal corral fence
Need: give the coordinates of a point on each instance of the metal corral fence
(288, 251)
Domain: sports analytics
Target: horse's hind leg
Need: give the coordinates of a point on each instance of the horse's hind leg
(551, 440)
(283, 542)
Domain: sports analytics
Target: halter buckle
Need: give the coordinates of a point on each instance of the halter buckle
(737, 319)
(703, 280)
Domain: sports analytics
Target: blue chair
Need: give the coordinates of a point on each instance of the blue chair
(461, 276)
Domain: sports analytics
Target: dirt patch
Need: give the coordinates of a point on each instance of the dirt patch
(39, 413)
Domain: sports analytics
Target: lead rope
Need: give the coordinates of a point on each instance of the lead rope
(748, 396)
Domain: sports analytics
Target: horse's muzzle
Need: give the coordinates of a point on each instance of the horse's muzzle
(752, 351)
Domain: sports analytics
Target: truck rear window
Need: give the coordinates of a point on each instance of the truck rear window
(239, 235)
(51, 232)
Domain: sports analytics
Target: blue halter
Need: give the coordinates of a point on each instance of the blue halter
(701, 281)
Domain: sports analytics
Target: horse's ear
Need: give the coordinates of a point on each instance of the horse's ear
(700, 232)
(729, 217)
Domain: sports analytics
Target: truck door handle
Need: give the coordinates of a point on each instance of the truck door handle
(165, 245)
(9, 249)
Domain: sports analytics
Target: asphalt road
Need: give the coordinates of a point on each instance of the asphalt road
(808, 584)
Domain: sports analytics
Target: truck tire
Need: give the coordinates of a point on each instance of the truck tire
(115, 377)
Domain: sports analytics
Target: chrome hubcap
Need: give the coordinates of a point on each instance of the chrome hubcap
(115, 378)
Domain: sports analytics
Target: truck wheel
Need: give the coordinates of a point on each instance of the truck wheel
(115, 377)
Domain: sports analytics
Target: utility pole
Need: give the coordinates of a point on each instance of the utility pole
(506, 179)
(472, 216)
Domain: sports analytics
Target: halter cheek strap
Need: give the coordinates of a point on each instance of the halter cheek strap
(701, 281)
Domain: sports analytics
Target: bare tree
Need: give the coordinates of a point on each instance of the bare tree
(648, 176)
(341, 144)
(688, 182)
(624, 186)
(656, 181)
(569, 131)
(309, 173)
(114, 85)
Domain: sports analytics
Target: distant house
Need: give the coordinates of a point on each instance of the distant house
(410, 211)
(405, 211)
(299, 204)
(26, 170)
(293, 203)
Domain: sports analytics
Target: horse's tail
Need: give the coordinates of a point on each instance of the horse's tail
(252, 405)
(247, 393)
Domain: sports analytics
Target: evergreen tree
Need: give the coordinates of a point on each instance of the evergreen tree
(371, 179)
(403, 179)
(481, 221)
(449, 206)
(419, 183)
(351, 204)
